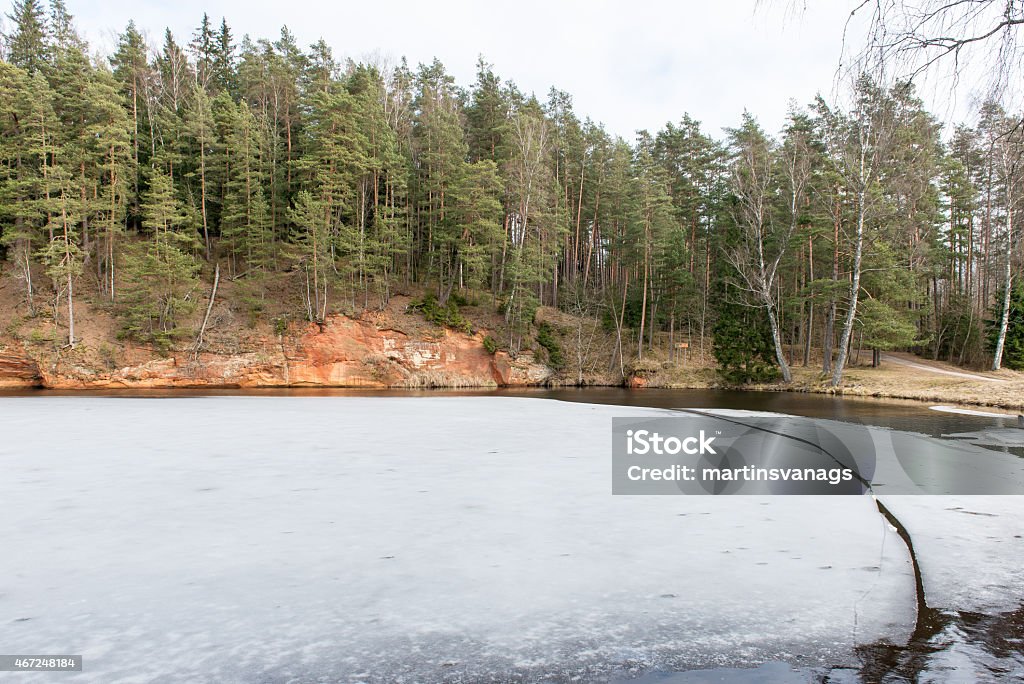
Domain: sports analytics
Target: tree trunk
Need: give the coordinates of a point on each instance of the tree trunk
(780, 356)
(851, 311)
(67, 265)
(643, 306)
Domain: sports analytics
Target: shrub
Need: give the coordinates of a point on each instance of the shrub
(108, 356)
(743, 344)
(490, 344)
(447, 316)
(546, 337)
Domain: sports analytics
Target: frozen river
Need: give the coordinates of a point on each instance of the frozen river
(289, 539)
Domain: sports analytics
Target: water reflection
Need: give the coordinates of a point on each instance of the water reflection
(898, 414)
(951, 646)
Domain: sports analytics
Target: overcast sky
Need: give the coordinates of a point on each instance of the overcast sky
(631, 65)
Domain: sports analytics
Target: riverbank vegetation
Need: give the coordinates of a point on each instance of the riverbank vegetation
(307, 186)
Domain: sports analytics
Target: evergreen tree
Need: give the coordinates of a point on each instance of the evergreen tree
(203, 47)
(533, 225)
(440, 153)
(1013, 343)
(29, 181)
(27, 43)
(884, 328)
(224, 60)
(477, 212)
(134, 77)
(108, 131)
(313, 250)
(61, 257)
(487, 117)
(160, 270)
(201, 129)
(244, 221)
(743, 343)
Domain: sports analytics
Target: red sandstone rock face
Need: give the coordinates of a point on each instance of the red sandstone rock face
(18, 371)
(344, 352)
(636, 381)
(354, 353)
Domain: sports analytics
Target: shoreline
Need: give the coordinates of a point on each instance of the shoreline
(911, 395)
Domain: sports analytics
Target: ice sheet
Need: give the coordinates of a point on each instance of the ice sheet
(380, 539)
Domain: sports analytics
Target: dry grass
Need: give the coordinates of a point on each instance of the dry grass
(442, 380)
(887, 381)
(910, 383)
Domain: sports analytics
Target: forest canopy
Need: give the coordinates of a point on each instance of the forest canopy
(322, 184)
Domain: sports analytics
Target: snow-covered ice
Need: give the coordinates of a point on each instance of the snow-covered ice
(970, 549)
(268, 539)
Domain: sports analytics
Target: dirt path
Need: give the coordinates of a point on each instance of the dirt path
(901, 361)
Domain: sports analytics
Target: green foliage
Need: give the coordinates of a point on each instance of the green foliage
(108, 356)
(26, 43)
(547, 338)
(490, 344)
(1013, 346)
(160, 273)
(959, 331)
(311, 246)
(348, 182)
(447, 316)
(883, 327)
(743, 344)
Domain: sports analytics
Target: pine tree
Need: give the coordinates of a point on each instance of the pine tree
(331, 154)
(224, 61)
(200, 127)
(440, 155)
(27, 43)
(176, 81)
(203, 47)
(28, 179)
(134, 76)
(63, 35)
(110, 151)
(159, 271)
(487, 117)
(312, 241)
(61, 257)
(884, 328)
(476, 211)
(380, 175)
(244, 221)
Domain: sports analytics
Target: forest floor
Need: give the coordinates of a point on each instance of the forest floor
(900, 376)
(911, 361)
(905, 376)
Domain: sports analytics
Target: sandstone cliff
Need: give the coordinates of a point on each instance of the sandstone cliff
(343, 352)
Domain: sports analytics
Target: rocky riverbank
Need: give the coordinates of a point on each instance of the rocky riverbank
(342, 352)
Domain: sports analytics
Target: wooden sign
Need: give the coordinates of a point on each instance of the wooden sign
(682, 345)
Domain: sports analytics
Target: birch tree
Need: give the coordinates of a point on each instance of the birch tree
(764, 235)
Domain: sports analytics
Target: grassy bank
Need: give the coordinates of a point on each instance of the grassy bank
(901, 376)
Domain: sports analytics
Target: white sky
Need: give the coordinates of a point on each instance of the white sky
(630, 65)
